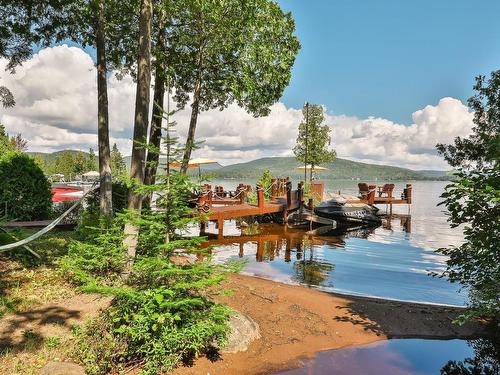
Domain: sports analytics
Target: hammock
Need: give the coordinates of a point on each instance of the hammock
(48, 228)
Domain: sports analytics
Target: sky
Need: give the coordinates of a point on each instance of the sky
(394, 77)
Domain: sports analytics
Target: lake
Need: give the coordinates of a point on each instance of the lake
(392, 261)
(408, 357)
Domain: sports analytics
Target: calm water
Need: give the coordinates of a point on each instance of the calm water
(392, 261)
(408, 357)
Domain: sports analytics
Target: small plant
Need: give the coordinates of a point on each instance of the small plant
(53, 342)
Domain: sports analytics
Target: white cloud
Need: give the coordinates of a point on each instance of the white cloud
(57, 105)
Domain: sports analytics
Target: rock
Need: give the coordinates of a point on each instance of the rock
(243, 331)
(62, 368)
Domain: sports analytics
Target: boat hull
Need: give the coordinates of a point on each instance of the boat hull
(348, 213)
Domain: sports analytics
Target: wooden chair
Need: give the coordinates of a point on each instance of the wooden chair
(219, 192)
(386, 190)
(363, 190)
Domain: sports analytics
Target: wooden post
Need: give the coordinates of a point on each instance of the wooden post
(371, 196)
(288, 195)
(210, 198)
(310, 204)
(300, 194)
(409, 189)
(274, 188)
(260, 197)
(220, 225)
(260, 251)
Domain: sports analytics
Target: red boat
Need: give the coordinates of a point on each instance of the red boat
(66, 193)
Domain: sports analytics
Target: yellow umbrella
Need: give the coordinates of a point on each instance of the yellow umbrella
(195, 163)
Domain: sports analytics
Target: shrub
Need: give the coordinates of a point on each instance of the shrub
(24, 190)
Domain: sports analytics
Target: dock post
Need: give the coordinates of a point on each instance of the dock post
(260, 197)
(274, 188)
(220, 225)
(300, 194)
(288, 195)
(409, 189)
(371, 196)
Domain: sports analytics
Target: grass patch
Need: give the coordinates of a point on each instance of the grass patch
(27, 282)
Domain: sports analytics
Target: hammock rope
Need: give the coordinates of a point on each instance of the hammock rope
(49, 227)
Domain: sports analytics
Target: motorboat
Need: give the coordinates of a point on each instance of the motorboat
(348, 211)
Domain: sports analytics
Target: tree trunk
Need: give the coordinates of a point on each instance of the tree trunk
(195, 110)
(190, 141)
(156, 120)
(131, 230)
(105, 200)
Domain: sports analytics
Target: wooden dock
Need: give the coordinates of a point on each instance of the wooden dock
(283, 201)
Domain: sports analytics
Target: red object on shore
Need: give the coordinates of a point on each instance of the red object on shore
(61, 194)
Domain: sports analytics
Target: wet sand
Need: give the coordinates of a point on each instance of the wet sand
(296, 322)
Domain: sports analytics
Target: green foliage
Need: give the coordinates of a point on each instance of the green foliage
(119, 198)
(162, 313)
(24, 190)
(238, 50)
(72, 163)
(265, 183)
(313, 140)
(118, 166)
(473, 200)
(14, 143)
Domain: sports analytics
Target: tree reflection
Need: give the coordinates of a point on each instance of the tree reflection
(310, 270)
(486, 360)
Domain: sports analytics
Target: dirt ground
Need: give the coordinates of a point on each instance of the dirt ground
(296, 322)
(32, 337)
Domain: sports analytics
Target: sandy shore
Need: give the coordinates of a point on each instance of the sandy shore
(296, 322)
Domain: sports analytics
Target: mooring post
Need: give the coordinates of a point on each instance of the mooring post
(220, 225)
(371, 195)
(409, 189)
(274, 188)
(260, 197)
(288, 188)
(300, 194)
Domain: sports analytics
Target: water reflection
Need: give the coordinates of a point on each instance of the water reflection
(408, 356)
(377, 262)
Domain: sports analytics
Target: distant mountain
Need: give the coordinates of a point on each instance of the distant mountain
(339, 169)
(287, 167)
(50, 157)
(207, 167)
(430, 173)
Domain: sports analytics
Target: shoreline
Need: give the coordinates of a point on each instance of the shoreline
(351, 295)
(296, 322)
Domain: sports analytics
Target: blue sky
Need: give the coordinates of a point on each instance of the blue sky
(360, 58)
(389, 58)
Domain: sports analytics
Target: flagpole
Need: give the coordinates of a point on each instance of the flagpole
(307, 135)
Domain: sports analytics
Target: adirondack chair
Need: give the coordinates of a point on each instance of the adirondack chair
(386, 190)
(363, 190)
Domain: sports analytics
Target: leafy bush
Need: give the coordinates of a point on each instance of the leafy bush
(162, 313)
(119, 197)
(24, 190)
